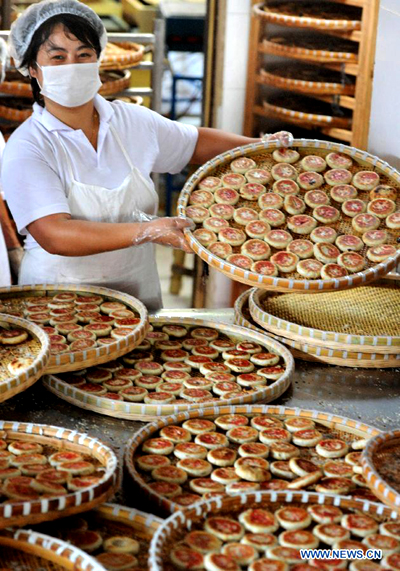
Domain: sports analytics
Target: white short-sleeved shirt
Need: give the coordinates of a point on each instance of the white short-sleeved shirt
(35, 176)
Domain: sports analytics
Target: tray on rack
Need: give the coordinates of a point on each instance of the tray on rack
(305, 78)
(23, 363)
(271, 418)
(114, 340)
(306, 111)
(122, 404)
(221, 518)
(307, 352)
(366, 318)
(381, 467)
(112, 534)
(40, 490)
(15, 109)
(310, 14)
(122, 55)
(311, 46)
(26, 550)
(262, 155)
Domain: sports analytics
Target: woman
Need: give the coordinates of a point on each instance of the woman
(77, 173)
(5, 276)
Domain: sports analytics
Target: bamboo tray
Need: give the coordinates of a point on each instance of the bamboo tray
(311, 47)
(178, 525)
(349, 430)
(306, 111)
(262, 154)
(37, 346)
(375, 331)
(113, 81)
(306, 14)
(304, 78)
(15, 109)
(109, 520)
(307, 352)
(122, 55)
(381, 454)
(12, 300)
(20, 513)
(26, 550)
(140, 411)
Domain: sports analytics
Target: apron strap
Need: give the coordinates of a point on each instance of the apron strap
(121, 146)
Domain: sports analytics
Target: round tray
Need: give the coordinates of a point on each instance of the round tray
(373, 456)
(122, 55)
(316, 354)
(261, 153)
(353, 429)
(110, 520)
(176, 526)
(12, 296)
(292, 77)
(21, 513)
(15, 109)
(305, 46)
(306, 111)
(26, 549)
(37, 346)
(375, 306)
(133, 99)
(306, 14)
(140, 411)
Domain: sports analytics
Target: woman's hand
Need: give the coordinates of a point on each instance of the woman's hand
(284, 137)
(165, 231)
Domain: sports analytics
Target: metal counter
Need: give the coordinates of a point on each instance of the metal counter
(368, 395)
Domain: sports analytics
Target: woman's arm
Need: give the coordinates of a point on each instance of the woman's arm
(212, 142)
(60, 234)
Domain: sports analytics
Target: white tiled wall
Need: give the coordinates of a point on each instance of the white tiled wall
(384, 137)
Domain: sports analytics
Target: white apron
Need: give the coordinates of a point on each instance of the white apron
(130, 270)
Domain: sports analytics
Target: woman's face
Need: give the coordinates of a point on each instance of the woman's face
(62, 48)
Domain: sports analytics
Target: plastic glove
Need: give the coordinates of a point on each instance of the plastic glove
(284, 138)
(164, 231)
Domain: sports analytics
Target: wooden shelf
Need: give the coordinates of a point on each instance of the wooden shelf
(362, 70)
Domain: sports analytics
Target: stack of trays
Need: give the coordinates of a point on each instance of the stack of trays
(356, 328)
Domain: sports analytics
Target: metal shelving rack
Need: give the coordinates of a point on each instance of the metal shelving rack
(156, 66)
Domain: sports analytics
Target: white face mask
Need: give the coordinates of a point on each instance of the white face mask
(70, 85)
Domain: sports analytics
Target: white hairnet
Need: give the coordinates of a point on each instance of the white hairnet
(23, 29)
(3, 59)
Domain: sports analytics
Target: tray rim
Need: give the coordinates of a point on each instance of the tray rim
(129, 515)
(20, 513)
(71, 557)
(303, 86)
(317, 353)
(294, 116)
(66, 362)
(305, 22)
(186, 515)
(377, 484)
(280, 283)
(307, 54)
(153, 412)
(138, 438)
(18, 383)
(133, 56)
(263, 316)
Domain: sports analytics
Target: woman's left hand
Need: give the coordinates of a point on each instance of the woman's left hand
(284, 138)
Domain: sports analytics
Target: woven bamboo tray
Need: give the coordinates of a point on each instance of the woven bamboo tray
(316, 354)
(320, 48)
(109, 520)
(305, 111)
(37, 346)
(15, 109)
(365, 317)
(26, 550)
(12, 298)
(262, 154)
(134, 99)
(20, 513)
(292, 78)
(305, 14)
(122, 55)
(178, 525)
(146, 412)
(348, 429)
(381, 467)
